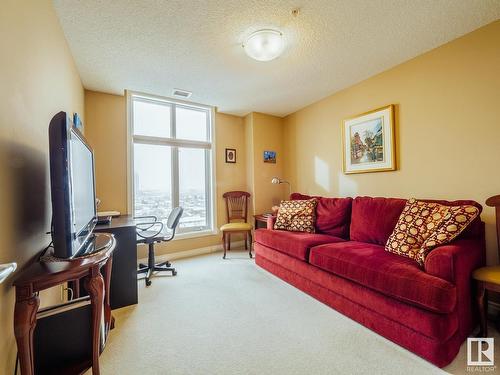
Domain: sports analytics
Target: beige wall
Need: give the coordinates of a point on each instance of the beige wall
(248, 124)
(267, 136)
(106, 130)
(38, 79)
(106, 116)
(229, 133)
(264, 133)
(448, 129)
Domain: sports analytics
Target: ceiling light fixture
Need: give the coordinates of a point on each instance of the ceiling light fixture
(264, 45)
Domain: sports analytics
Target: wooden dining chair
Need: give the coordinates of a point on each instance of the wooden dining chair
(237, 212)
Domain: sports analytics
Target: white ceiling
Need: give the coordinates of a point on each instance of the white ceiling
(154, 46)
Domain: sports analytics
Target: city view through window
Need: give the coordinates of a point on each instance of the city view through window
(168, 173)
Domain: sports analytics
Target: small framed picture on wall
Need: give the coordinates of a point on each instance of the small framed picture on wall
(230, 155)
(270, 157)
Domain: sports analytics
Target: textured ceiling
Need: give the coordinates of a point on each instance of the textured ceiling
(155, 46)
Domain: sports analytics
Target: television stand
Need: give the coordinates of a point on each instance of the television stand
(43, 275)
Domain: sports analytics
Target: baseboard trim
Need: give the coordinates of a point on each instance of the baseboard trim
(190, 253)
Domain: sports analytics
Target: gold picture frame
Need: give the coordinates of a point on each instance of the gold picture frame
(368, 141)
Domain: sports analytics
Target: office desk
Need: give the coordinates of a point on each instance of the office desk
(123, 287)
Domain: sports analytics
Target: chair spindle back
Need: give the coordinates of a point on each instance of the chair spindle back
(236, 205)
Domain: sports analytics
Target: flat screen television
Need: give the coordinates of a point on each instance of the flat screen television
(72, 181)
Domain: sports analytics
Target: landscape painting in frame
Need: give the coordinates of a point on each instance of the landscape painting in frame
(368, 142)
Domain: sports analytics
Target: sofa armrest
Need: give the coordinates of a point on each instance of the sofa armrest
(456, 260)
(270, 222)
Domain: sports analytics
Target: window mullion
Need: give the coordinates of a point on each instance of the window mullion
(173, 127)
(175, 177)
(175, 160)
(144, 139)
(208, 187)
(209, 127)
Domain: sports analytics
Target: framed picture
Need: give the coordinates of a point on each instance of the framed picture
(230, 155)
(368, 142)
(270, 157)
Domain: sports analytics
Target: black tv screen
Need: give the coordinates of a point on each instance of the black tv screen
(72, 181)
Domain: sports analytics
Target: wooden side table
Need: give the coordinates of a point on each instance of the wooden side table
(488, 278)
(261, 220)
(43, 275)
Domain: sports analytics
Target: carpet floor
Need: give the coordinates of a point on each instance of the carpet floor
(232, 317)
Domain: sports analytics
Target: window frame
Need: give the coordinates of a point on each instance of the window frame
(209, 147)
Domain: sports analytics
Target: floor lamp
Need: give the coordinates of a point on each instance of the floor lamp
(277, 181)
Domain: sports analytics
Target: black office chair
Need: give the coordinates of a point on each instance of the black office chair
(150, 232)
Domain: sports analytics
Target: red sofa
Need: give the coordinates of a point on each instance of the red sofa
(428, 310)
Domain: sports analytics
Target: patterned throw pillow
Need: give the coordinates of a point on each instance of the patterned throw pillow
(458, 218)
(422, 226)
(297, 216)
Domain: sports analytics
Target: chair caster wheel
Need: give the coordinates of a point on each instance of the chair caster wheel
(148, 282)
(174, 273)
(168, 264)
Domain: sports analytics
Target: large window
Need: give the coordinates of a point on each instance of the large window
(171, 160)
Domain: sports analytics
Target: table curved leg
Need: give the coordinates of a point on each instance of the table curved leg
(24, 325)
(108, 318)
(482, 305)
(94, 284)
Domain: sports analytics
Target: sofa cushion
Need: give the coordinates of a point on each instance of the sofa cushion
(295, 244)
(297, 216)
(342, 292)
(374, 219)
(332, 214)
(395, 276)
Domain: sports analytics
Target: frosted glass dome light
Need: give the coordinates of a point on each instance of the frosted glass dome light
(264, 45)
